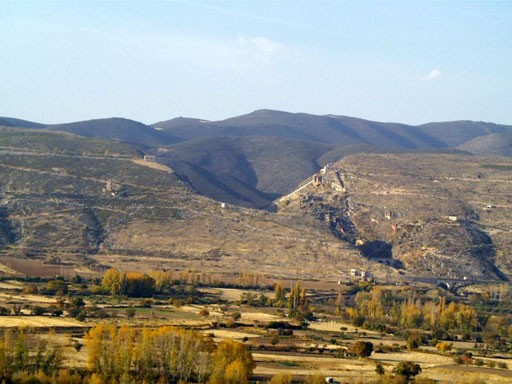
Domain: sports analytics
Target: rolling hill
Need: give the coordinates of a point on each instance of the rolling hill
(62, 143)
(124, 130)
(455, 133)
(495, 144)
(251, 159)
(250, 171)
(333, 129)
(12, 122)
(69, 200)
(253, 171)
(67, 208)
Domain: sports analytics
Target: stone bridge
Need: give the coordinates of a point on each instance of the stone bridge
(448, 283)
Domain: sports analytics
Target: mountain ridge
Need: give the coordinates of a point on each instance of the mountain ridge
(338, 129)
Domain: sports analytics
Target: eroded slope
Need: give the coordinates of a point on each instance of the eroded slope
(74, 208)
(437, 215)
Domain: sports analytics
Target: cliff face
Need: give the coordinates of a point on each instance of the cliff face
(440, 215)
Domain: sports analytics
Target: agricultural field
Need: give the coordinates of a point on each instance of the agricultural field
(303, 332)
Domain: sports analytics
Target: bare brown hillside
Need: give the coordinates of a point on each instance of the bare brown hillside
(98, 203)
(439, 215)
(74, 209)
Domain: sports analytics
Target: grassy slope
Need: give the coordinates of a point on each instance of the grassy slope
(62, 143)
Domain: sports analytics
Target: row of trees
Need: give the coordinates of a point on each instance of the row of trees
(143, 285)
(164, 279)
(22, 352)
(380, 307)
(132, 284)
(127, 355)
(165, 355)
(296, 302)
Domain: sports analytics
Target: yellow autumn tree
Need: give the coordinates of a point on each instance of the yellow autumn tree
(167, 354)
(114, 282)
(110, 351)
(225, 355)
(236, 373)
(133, 284)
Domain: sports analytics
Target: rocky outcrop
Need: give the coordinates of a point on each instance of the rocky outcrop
(418, 212)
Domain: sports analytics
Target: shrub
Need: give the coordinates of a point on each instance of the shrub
(77, 345)
(146, 303)
(81, 316)
(77, 302)
(236, 316)
(57, 287)
(379, 369)
(98, 290)
(444, 346)
(77, 279)
(38, 311)
(363, 348)
(130, 312)
(407, 369)
(204, 312)
(414, 341)
(31, 289)
(55, 311)
(278, 324)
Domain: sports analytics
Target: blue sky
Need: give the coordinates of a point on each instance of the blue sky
(404, 61)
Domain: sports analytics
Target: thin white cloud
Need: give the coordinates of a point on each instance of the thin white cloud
(265, 45)
(434, 74)
(260, 43)
(260, 47)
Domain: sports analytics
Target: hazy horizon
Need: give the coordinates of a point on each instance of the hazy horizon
(227, 117)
